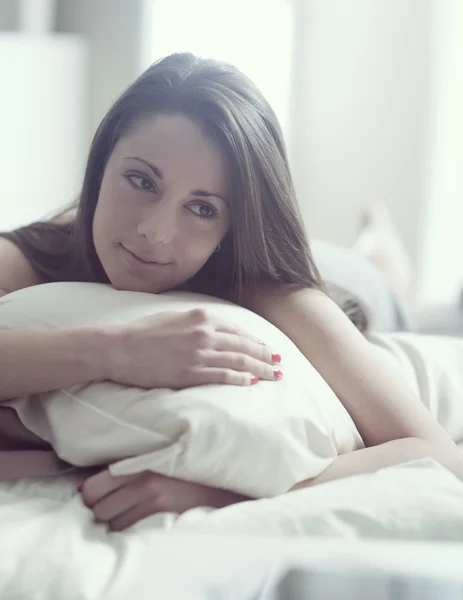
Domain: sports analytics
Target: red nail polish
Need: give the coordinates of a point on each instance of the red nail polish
(261, 343)
(80, 487)
(254, 380)
(276, 357)
(278, 374)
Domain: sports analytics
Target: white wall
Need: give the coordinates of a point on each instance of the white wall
(375, 113)
(52, 103)
(201, 31)
(42, 120)
(441, 273)
(113, 30)
(8, 15)
(361, 101)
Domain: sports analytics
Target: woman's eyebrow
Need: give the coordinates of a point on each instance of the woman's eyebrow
(154, 169)
(204, 194)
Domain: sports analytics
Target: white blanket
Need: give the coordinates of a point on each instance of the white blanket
(50, 548)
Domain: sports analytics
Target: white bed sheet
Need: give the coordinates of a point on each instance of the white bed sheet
(370, 530)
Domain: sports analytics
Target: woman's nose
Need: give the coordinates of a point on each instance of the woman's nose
(159, 223)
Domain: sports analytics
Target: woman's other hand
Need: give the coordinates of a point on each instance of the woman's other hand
(184, 349)
(123, 501)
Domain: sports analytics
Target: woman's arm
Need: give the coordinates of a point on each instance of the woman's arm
(380, 402)
(39, 361)
(32, 362)
(15, 270)
(389, 454)
(169, 349)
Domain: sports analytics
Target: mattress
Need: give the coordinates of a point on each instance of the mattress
(397, 533)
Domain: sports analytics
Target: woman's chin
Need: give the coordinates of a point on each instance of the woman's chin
(129, 284)
(125, 286)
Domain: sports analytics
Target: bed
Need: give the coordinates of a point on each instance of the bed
(397, 533)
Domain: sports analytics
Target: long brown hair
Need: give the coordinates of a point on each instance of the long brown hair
(266, 242)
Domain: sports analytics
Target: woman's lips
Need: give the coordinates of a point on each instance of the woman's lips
(134, 258)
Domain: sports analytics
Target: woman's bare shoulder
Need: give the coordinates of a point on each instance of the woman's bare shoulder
(67, 216)
(16, 271)
(275, 296)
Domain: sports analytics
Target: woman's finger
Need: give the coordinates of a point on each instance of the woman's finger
(216, 376)
(201, 317)
(133, 515)
(100, 485)
(235, 343)
(231, 328)
(120, 501)
(237, 361)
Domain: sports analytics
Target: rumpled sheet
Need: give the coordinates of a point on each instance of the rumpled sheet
(50, 547)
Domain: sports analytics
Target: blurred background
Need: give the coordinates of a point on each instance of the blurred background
(369, 94)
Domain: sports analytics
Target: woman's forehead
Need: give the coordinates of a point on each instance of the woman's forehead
(176, 145)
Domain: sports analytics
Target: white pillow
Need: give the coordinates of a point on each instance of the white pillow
(416, 500)
(257, 440)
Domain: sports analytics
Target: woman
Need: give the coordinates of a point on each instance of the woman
(187, 187)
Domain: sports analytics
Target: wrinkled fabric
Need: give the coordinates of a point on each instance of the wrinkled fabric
(23, 454)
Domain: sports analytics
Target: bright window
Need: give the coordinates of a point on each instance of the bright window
(254, 35)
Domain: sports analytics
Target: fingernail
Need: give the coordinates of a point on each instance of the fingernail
(277, 373)
(261, 343)
(80, 487)
(254, 380)
(276, 357)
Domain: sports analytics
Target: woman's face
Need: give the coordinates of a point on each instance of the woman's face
(163, 207)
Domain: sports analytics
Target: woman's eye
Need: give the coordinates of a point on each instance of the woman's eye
(142, 183)
(204, 211)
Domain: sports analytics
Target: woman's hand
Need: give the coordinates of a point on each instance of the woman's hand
(123, 501)
(184, 349)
